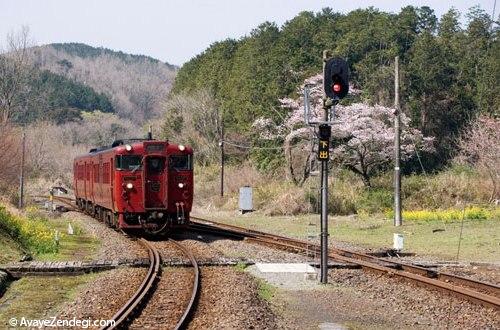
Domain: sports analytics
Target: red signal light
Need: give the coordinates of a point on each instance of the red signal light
(336, 88)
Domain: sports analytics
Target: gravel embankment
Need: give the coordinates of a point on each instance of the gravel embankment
(102, 298)
(113, 244)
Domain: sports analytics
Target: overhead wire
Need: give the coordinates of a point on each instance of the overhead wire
(250, 147)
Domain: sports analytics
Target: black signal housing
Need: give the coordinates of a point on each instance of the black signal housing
(336, 78)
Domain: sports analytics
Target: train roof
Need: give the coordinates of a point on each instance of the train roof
(117, 143)
(121, 142)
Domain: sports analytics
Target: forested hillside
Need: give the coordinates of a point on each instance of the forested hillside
(450, 72)
(135, 84)
(54, 98)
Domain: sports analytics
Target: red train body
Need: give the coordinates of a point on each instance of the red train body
(136, 184)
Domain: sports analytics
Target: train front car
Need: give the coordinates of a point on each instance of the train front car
(156, 190)
(136, 184)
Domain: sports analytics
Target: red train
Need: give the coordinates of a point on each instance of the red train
(136, 184)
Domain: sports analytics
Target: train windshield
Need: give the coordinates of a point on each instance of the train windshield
(180, 162)
(155, 165)
(128, 162)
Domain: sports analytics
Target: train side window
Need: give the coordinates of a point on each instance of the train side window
(128, 162)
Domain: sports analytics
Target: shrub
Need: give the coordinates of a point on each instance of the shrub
(31, 232)
(375, 200)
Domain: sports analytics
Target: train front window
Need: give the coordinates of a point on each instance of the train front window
(128, 162)
(180, 162)
(155, 165)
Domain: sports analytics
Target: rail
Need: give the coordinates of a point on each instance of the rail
(188, 311)
(125, 313)
(456, 285)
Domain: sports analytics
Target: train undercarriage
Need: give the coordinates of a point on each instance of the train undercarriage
(154, 221)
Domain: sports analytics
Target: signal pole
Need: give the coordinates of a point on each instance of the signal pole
(397, 149)
(324, 210)
(325, 133)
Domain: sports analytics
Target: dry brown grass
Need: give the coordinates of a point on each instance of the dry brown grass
(274, 195)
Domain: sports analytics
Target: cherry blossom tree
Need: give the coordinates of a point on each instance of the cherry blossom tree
(480, 147)
(362, 135)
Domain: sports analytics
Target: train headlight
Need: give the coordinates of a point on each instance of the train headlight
(181, 185)
(128, 147)
(181, 147)
(129, 185)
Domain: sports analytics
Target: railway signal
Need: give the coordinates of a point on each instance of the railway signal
(336, 87)
(336, 78)
(325, 131)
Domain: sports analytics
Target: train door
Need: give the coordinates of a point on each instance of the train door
(112, 185)
(85, 180)
(91, 182)
(155, 182)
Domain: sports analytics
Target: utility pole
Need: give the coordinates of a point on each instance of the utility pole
(221, 145)
(397, 149)
(21, 177)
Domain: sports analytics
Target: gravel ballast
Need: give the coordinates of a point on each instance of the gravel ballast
(103, 297)
(359, 299)
(229, 300)
(223, 247)
(113, 244)
(167, 304)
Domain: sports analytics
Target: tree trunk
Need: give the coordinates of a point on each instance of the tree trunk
(366, 180)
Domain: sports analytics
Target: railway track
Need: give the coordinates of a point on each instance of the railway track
(475, 291)
(483, 293)
(186, 316)
(125, 314)
(123, 317)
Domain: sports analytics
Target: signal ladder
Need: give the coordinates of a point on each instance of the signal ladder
(313, 230)
(313, 226)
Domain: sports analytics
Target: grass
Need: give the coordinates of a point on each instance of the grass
(265, 290)
(11, 251)
(275, 195)
(240, 266)
(79, 246)
(34, 231)
(39, 297)
(480, 239)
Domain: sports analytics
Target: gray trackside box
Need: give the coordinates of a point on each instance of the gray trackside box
(246, 203)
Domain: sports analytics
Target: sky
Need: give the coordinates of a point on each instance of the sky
(172, 30)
